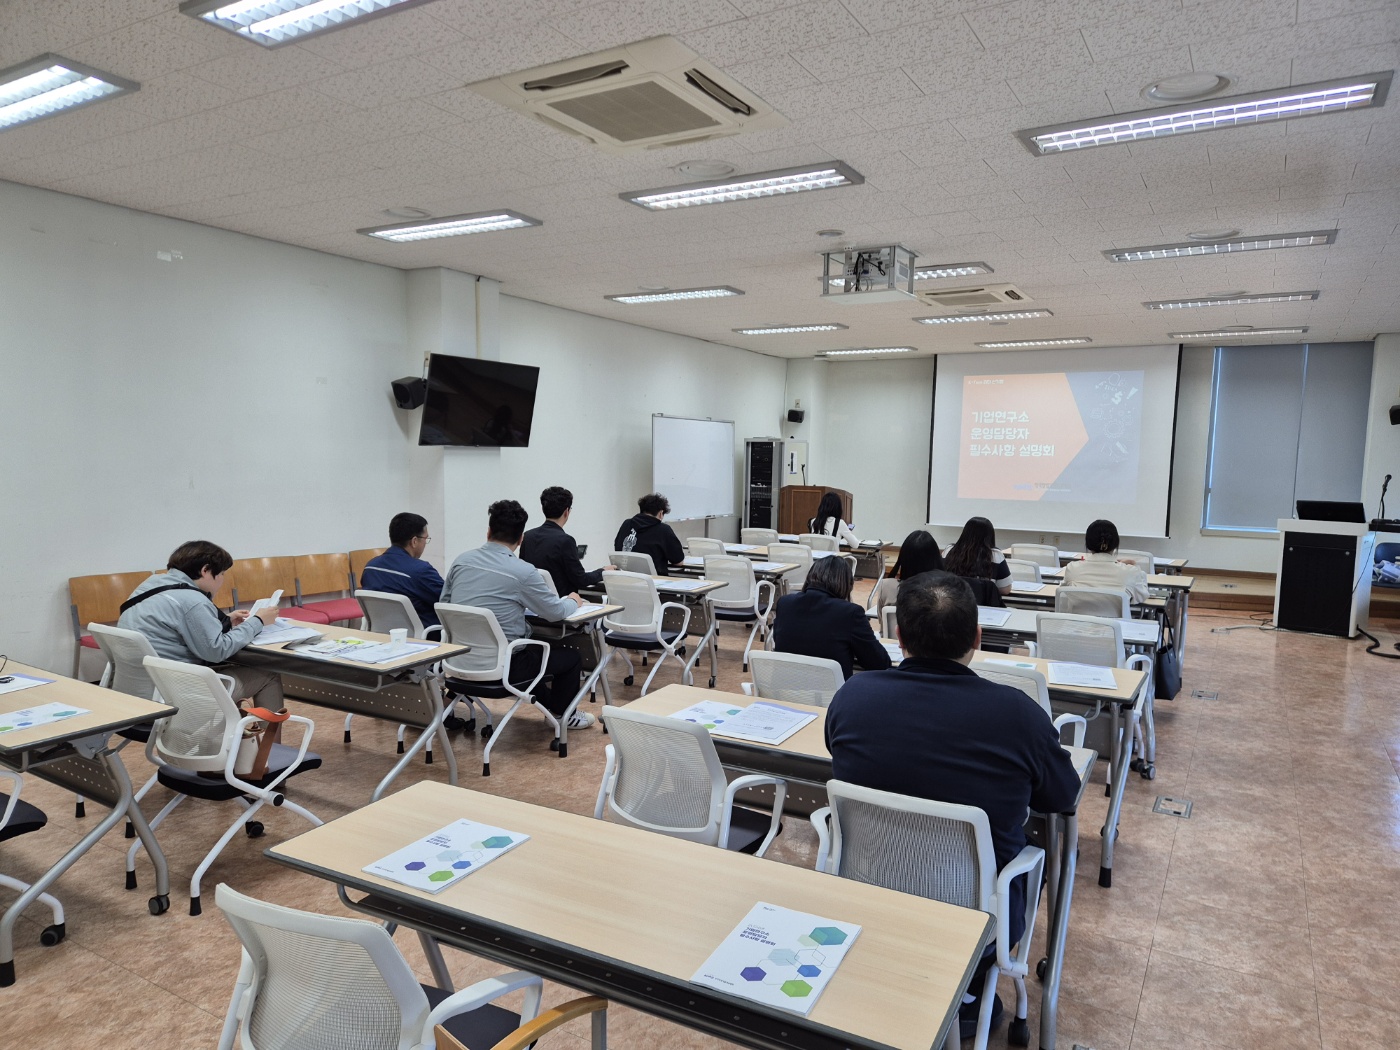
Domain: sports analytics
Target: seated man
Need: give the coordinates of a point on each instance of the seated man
(402, 570)
(647, 533)
(492, 577)
(821, 620)
(175, 610)
(550, 548)
(933, 729)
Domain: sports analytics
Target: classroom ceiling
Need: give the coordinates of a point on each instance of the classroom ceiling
(306, 143)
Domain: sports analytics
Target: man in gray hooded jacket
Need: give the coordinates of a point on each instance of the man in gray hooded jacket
(175, 610)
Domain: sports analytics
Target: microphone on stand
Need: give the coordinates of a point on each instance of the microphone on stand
(1384, 485)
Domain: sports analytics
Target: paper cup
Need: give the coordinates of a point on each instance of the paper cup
(399, 635)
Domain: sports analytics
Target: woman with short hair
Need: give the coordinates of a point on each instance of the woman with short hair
(821, 620)
(1100, 567)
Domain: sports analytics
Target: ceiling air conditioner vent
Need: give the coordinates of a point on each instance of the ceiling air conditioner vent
(979, 298)
(639, 96)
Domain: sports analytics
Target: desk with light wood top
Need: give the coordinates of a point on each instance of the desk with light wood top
(664, 905)
(76, 754)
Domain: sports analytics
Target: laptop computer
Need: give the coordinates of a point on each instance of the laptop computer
(1331, 510)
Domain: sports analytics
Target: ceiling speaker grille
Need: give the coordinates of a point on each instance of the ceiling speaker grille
(634, 112)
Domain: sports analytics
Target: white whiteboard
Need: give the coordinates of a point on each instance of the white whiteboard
(692, 465)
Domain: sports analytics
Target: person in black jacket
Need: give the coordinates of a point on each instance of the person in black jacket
(821, 620)
(934, 729)
(647, 533)
(550, 548)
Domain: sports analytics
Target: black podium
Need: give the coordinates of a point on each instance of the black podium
(1324, 576)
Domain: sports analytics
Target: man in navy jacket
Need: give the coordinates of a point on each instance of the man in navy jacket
(934, 729)
(550, 548)
(402, 570)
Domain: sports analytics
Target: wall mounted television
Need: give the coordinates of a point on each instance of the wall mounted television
(485, 404)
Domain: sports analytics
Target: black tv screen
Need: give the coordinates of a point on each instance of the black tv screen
(489, 404)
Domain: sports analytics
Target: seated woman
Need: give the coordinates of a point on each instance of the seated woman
(821, 620)
(918, 553)
(828, 521)
(975, 557)
(1099, 568)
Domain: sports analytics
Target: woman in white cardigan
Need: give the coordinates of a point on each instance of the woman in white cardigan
(1100, 568)
(828, 521)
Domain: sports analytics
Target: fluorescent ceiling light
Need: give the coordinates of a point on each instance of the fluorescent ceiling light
(747, 187)
(869, 350)
(789, 329)
(934, 273)
(276, 22)
(452, 226)
(1014, 344)
(50, 84)
(1232, 300)
(1201, 337)
(1222, 247)
(716, 292)
(1306, 100)
(1004, 315)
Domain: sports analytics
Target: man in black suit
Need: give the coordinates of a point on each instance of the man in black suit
(934, 729)
(550, 548)
(821, 620)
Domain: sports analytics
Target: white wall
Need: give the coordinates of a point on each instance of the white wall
(1382, 439)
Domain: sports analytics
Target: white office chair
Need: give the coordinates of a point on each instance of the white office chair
(703, 546)
(792, 554)
(484, 671)
(941, 851)
(1110, 602)
(792, 679)
(1034, 685)
(197, 750)
(626, 561)
(819, 541)
(310, 980)
(663, 774)
(1023, 571)
(1043, 554)
(20, 818)
(1144, 560)
(758, 537)
(888, 623)
(125, 650)
(743, 599)
(638, 626)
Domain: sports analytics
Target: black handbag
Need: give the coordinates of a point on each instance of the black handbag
(1167, 670)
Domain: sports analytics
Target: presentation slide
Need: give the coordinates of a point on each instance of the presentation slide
(1049, 440)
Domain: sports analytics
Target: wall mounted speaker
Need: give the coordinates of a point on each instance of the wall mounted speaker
(1395, 415)
(409, 392)
(797, 415)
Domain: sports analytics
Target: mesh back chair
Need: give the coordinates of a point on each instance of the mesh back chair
(819, 541)
(1023, 571)
(628, 561)
(20, 818)
(197, 752)
(664, 775)
(936, 850)
(792, 554)
(703, 546)
(758, 537)
(321, 981)
(1031, 682)
(1043, 554)
(888, 624)
(484, 671)
(126, 673)
(1144, 560)
(638, 626)
(794, 679)
(744, 598)
(1109, 602)
(318, 574)
(526, 1035)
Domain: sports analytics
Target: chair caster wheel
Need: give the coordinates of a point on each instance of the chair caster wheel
(453, 723)
(253, 829)
(486, 732)
(554, 744)
(1148, 772)
(1018, 1033)
(1040, 969)
(159, 905)
(681, 650)
(1136, 765)
(712, 681)
(52, 935)
(469, 726)
(627, 680)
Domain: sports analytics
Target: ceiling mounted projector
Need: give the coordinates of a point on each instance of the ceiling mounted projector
(883, 274)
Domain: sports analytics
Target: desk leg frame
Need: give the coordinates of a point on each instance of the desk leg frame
(1123, 732)
(1064, 847)
(598, 674)
(433, 729)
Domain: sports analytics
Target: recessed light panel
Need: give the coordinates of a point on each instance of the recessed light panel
(747, 187)
(273, 23)
(1001, 316)
(50, 84)
(1232, 300)
(791, 329)
(675, 295)
(868, 350)
(1222, 247)
(1307, 100)
(937, 272)
(1223, 334)
(452, 226)
(1016, 344)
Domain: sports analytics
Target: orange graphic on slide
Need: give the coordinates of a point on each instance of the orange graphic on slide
(1018, 434)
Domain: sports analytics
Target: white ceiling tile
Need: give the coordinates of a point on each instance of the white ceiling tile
(1312, 65)
(140, 51)
(473, 59)
(1003, 24)
(878, 16)
(604, 25)
(392, 81)
(73, 20)
(945, 106)
(376, 40)
(875, 53)
(772, 75)
(261, 70)
(897, 94)
(23, 32)
(786, 30)
(1163, 28)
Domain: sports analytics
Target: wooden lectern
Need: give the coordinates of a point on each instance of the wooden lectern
(797, 506)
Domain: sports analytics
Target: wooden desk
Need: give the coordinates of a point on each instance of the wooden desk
(667, 904)
(804, 757)
(1020, 627)
(1166, 566)
(402, 691)
(75, 754)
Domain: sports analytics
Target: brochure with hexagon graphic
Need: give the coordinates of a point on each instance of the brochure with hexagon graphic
(446, 856)
(778, 956)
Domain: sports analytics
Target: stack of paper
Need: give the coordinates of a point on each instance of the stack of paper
(679, 585)
(892, 648)
(22, 681)
(1026, 587)
(42, 715)
(992, 617)
(285, 630)
(446, 856)
(760, 722)
(1064, 673)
